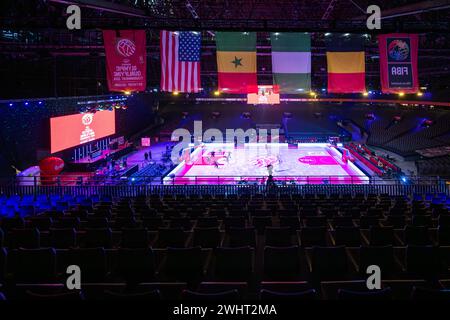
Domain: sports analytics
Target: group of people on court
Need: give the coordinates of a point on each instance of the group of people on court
(215, 160)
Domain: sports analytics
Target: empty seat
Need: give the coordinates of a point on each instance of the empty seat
(419, 293)
(234, 264)
(171, 237)
(278, 237)
(381, 236)
(32, 265)
(382, 256)
(40, 223)
(96, 222)
(207, 222)
(184, 223)
(241, 237)
(92, 262)
(67, 222)
(184, 264)
(397, 221)
(281, 263)
(346, 221)
(313, 236)
(422, 220)
(3, 255)
(152, 223)
(444, 220)
(12, 223)
(234, 222)
(383, 294)
(101, 237)
(207, 237)
(423, 261)
(329, 263)
(260, 223)
(220, 296)
(444, 235)
(25, 238)
(60, 296)
(347, 236)
(134, 238)
(320, 221)
(62, 238)
(124, 222)
(310, 294)
(417, 235)
(136, 265)
(292, 222)
(365, 222)
(27, 210)
(153, 295)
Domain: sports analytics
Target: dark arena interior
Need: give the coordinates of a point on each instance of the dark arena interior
(224, 152)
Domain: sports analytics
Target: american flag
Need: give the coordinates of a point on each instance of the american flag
(180, 61)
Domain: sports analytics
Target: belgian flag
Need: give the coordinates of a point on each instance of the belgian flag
(346, 63)
(236, 61)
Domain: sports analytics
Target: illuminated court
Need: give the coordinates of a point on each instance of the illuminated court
(301, 164)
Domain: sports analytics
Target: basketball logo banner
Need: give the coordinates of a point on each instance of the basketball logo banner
(126, 59)
(398, 62)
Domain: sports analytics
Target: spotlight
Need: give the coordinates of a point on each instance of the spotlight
(419, 94)
(10, 104)
(26, 103)
(404, 179)
(175, 93)
(366, 94)
(40, 102)
(327, 34)
(401, 94)
(127, 92)
(217, 93)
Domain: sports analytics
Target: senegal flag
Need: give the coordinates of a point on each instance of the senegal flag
(236, 61)
(346, 63)
(291, 61)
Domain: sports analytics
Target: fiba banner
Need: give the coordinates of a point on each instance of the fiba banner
(126, 59)
(73, 130)
(398, 62)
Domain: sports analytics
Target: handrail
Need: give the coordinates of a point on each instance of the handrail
(94, 180)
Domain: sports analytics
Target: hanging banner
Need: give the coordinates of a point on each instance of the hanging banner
(398, 62)
(126, 59)
(346, 63)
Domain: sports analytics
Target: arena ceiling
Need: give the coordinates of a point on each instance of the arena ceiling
(305, 15)
(33, 33)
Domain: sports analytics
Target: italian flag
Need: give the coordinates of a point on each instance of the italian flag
(236, 61)
(291, 61)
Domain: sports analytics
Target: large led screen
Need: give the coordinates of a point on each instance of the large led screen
(76, 129)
